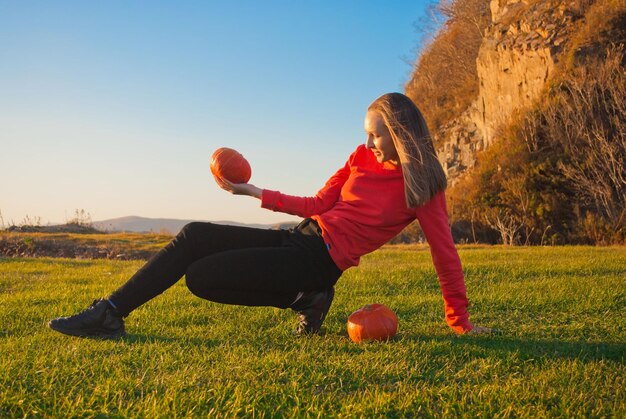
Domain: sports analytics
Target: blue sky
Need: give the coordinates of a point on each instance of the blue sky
(116, 107)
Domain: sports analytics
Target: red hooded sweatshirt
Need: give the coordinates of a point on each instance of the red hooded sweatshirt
(362, 207)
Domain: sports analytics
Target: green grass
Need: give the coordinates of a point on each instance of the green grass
(561, 354)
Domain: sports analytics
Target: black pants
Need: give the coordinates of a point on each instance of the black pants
(235, 265)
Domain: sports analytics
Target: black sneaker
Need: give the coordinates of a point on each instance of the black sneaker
(312, 308)
(99, 320)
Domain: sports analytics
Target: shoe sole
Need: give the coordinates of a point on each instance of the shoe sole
(88, 333)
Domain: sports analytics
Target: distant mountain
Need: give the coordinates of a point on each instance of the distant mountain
(167, 225)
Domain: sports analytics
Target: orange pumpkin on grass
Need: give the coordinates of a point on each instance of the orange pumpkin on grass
(229, 164)
(372, 322)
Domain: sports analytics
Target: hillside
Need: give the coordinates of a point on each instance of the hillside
(132, 224)
(525, 101)
(143, 225)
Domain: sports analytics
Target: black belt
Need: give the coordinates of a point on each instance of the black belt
(309, 227)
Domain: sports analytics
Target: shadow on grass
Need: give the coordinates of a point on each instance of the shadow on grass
(141, 339)
(482, 345)
(535, 348)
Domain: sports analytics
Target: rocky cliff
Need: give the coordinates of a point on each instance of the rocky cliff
(515, 61)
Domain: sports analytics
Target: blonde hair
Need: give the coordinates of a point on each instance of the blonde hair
(422, 171)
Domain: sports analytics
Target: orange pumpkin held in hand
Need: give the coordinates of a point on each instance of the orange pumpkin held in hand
(229, 164)
(372, 322)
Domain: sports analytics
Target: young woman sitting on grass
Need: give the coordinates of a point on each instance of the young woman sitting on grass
(386, 183)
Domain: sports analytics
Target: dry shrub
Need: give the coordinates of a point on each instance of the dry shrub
(444, 81)
(498, 196)
(604, 24)
(587, 120)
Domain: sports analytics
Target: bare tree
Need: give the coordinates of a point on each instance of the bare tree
(81, 218)
(474, 13)
(507, 224)
(589, 123)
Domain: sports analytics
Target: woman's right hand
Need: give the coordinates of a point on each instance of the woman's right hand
(239, 188)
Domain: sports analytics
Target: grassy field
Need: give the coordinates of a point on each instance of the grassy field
(561, 352)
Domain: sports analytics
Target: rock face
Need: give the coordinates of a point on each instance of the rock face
(515, 60)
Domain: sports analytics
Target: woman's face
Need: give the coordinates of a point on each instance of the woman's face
(379, 138)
